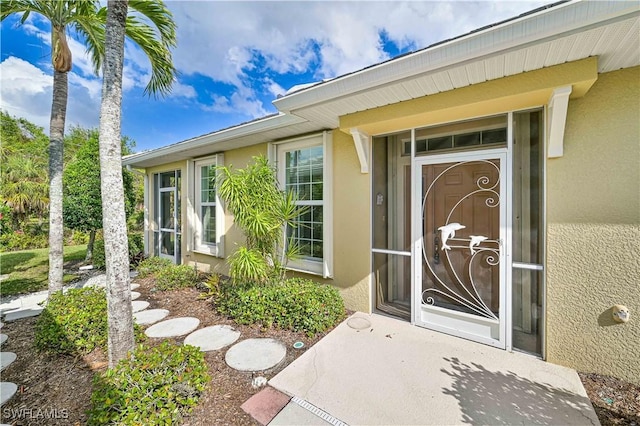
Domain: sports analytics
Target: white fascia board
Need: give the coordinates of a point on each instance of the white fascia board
(513, 34)
(268, 123)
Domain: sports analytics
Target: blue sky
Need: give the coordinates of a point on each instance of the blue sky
(234, 59)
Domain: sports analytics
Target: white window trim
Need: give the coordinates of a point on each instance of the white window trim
(277, 151)
(194, 209)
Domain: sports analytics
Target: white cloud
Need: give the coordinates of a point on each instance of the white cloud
(226, 40)
(26, 91)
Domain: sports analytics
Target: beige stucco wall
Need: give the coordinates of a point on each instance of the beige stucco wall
(593, 231)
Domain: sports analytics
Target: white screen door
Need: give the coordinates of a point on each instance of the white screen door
(460, 254)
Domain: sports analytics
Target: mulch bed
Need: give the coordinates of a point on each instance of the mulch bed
(56, 390)
(60, 386)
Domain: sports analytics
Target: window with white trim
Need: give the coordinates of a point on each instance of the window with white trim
(304, 168)
(208, 212)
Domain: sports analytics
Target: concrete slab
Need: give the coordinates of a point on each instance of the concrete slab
(23, 313)
(173, 327)
(10, 305)
(134, 286)
(265, 405)
(396, 373)
(7, 390)
(150, 316)
(255, 354)
(212, 338)
(6, 358)
(3, 338)
(135, 295)
(139, 305)
(295, 415)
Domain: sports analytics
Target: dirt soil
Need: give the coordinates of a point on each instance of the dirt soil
(55, 390)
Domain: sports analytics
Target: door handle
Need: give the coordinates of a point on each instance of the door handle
(436, 250)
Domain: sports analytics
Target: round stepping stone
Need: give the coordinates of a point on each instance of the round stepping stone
(3, 338)
(150, 316)
(212, 338)
(359, 323)
(97, 281)
(6, 358)
(173, 327)
(133, 274)
(255, 354)
(134, 286)
(7, 390)
(134, 295)
(139, 305)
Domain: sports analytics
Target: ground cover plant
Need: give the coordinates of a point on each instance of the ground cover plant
(28, 269)
(74, 322)
(152, 266)
(157, 385)
(176, 276)
(295, 304)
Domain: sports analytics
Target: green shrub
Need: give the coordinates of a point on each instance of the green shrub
(176, 276)
(152, 266)
(97, 256)
(136, 250)
(136, 247)
(74, 322)
(19, 240)
(155, 386)
(296, 304)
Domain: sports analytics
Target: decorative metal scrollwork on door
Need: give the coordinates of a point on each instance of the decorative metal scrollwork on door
(481, 248)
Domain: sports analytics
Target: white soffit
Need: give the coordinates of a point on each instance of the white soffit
(563, 33)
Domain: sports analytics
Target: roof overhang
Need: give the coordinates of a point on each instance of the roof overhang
(267, 129)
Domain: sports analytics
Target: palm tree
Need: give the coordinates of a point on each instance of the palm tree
(121, 339)
(86, 19)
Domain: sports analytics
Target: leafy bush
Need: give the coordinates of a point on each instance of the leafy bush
(136, 247)
(136, 250)
(97, 257)
(296, 304)
(154, 386)
(74, 322)
(176, 276)
(19, 240)
(152, 266)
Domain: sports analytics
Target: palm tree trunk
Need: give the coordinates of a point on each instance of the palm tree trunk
(56, 229)
(121, 339)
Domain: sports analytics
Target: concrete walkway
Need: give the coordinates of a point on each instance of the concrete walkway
(393, 373)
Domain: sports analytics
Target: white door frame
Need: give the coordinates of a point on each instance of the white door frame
(456, 321)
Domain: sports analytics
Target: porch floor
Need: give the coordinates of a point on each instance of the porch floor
(394, 373)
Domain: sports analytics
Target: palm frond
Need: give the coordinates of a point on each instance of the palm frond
(155, 41)
(91, 29)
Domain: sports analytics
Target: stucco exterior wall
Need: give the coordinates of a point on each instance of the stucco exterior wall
(593, 231)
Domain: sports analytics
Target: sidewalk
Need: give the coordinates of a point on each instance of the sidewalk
(393, 373)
